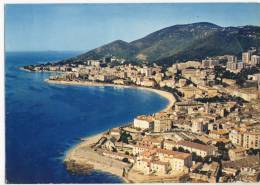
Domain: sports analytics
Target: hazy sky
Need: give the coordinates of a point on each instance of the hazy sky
(85, 26)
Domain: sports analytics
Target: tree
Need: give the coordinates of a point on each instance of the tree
(207, 159)
(125, 160)
(198, 141)
(199, 159)
(216, 159)
(124, 137)
(114, 149)
(223, 151)
(225, 155)
(220, 145)
(194, 156)
(180, 149)
(252, 151)
(138, 129)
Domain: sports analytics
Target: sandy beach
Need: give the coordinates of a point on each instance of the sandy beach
(167, 95)
(82, 154)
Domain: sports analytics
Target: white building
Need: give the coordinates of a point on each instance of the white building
(255, 60)
(144, 122)
(246, 56)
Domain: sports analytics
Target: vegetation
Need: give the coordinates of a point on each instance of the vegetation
(179, 42)
(196, 158)
(252, 151)
(125, 160)
(198, 141)
(240, 77)
(223, 151)
(219, 99)
(125, 137)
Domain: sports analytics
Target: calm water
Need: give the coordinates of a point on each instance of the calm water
(43, 120)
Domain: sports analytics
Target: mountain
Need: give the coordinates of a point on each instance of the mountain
(172, 40)
(117, 48)
(180, 42)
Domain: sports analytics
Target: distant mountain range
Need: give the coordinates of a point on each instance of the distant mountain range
(180, 42)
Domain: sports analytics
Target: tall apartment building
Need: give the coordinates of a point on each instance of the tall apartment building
(231, 66)
(255, 60)
(245, 139)
(232, 58)
(246, 57)
(235, 66)
(251, 140)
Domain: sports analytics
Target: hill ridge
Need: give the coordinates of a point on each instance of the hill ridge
(180, 42)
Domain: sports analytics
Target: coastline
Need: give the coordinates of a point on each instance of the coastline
(167, 95)
(23, 69)
(27, 70)
(82, 155)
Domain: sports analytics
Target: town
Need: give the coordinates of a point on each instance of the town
(210, 134)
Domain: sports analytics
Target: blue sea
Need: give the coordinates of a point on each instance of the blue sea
(44, 120)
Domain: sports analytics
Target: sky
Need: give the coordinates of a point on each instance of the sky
(81, 27)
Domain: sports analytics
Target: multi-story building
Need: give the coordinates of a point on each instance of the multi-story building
(235, 66)
(147, 83)
(162, 125)
(140, 148)
(251, 140)
(199, 149)
(159, 167)
(143, 165)
(232, 58)
(179, 161)
(236, 137)
(161, 161)
(147, 71)
(209, 63)
(198, 125)
(255, 60)
(240, 66)
(169, 144)
(184, 106)
(246, 57)
(154, 141)
(167, 83)
(144, 122)
(237, 153)
(191, 92)
(231, 66)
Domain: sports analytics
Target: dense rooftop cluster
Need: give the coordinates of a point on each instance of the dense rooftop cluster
(211, 134)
